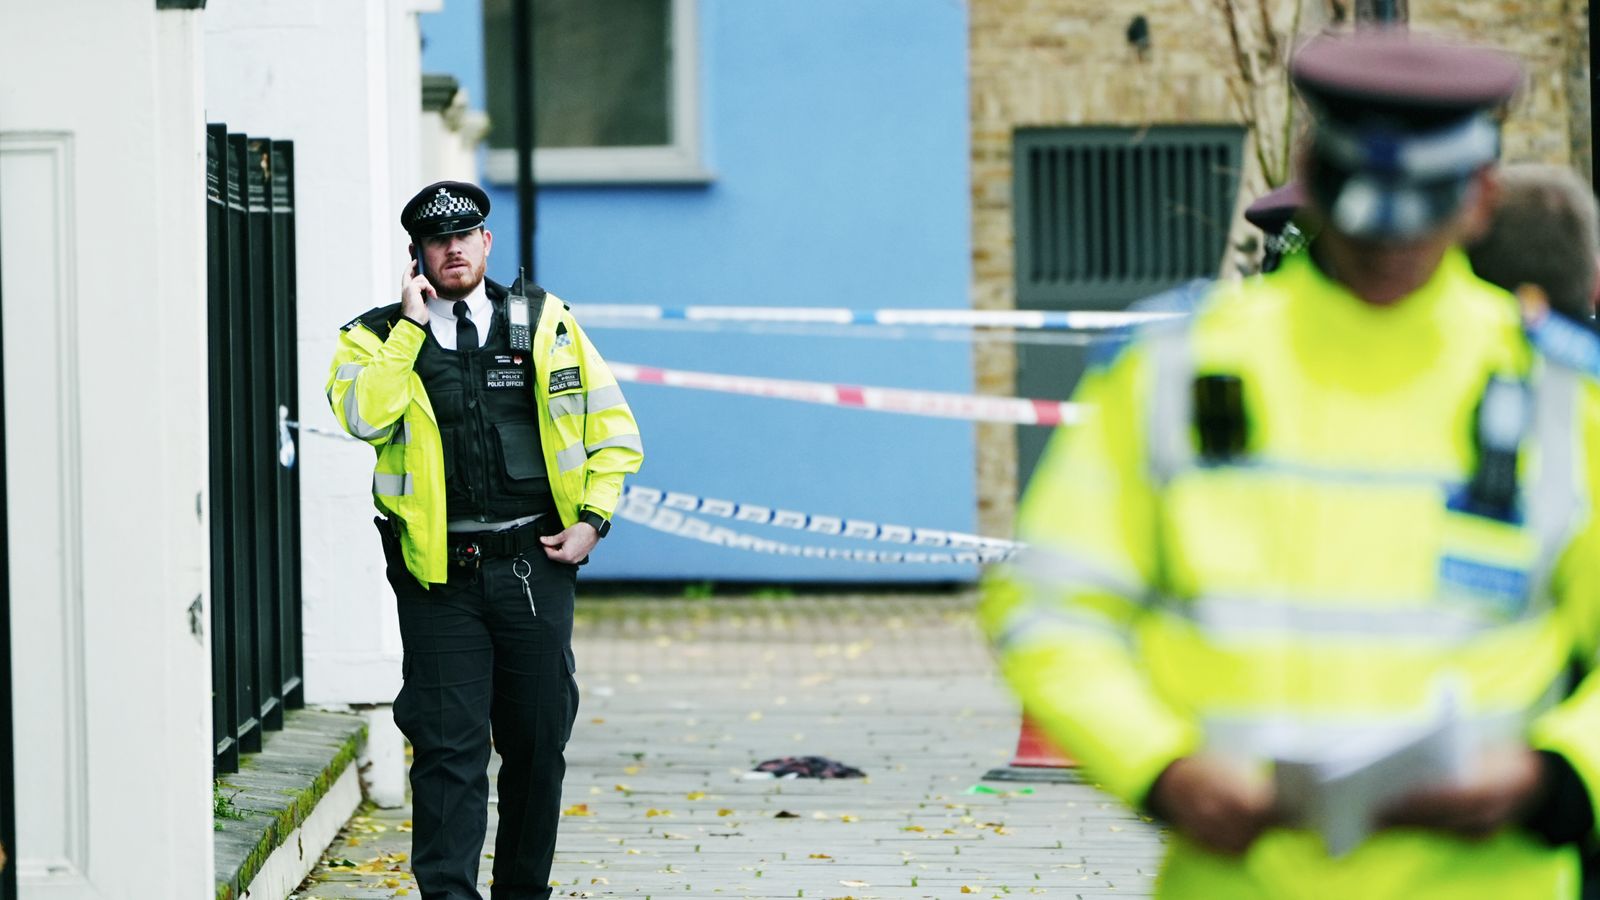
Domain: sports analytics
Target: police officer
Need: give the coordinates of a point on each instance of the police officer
(1273, 213)
(1543, 239)
(1340, 501)
(502, 440)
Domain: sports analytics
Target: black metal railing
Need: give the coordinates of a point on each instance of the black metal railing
(255, 490)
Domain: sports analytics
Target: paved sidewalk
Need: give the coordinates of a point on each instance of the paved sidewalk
(681, 698)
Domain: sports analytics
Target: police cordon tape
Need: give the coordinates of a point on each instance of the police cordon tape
(671, 521)
(834, 526)
(937, 404)
(664, 511)
(1017, 319)
(829, 331)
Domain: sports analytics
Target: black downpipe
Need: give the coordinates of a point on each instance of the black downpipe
(8, 793)
(522, 63)
(1594, 92)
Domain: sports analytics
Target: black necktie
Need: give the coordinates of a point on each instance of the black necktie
(466, 332)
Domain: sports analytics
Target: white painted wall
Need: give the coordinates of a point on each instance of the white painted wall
(102, 234)
(342, 80)
(450, 141)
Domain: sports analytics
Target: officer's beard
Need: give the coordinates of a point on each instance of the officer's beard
(456, 283)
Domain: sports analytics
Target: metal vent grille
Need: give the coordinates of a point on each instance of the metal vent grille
(1105, 216)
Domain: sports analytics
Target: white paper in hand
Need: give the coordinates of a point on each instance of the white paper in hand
(1340, 791)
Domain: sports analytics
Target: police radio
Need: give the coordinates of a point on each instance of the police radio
(1220, 418)
(1504, 416)
(517, 314)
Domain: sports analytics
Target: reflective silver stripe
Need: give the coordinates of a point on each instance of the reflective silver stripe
(347, 371)
(567, 405)
(1305, 735)
(402, 434)
(602, 399)
(1036, 623)
(391, 485)
(625, 441)
(1553, 501)
(357, 425)
(1055, 569)
(570, 458)
(1240, 617)
(1171, 403)
(1270, 467)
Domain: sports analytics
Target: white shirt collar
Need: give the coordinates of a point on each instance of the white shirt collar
(442, 317)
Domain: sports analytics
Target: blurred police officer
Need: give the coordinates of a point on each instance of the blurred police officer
(1274, 213)
(1543, 239)
(502, 440)
(1334, 497)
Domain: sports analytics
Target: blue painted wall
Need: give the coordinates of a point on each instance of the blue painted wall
(837, 134)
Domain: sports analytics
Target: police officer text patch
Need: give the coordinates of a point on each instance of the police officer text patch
(565, 380)
(505, 378)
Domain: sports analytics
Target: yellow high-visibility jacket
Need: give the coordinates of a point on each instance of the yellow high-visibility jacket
(1324, 583)
(589, 436)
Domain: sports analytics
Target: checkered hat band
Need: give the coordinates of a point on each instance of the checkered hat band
(1292, 240)
(446, 204)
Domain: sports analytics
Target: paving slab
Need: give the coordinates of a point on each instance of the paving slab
(682, 697)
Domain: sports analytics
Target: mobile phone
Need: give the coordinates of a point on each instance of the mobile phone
(417, 258)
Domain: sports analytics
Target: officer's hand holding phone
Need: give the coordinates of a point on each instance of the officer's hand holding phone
(415, 291)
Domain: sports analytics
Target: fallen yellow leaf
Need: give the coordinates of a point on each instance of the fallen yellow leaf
(652, 813)
(695, 795)
(820, 856)
(724, 812)
(577, 809)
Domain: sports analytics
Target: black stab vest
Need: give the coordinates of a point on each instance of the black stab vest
(493, 465)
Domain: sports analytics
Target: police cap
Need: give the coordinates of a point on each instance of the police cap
(1402, 123)
(1272, 211)
(445, 207)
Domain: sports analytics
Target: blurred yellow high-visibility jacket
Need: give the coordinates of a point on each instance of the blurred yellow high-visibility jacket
(1322, 584)
(587, 432)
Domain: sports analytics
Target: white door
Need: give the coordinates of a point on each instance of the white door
(102, 237)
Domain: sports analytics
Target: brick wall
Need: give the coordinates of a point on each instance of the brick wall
(1067, 62)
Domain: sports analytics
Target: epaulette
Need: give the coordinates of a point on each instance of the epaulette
(1181, 300)
(497, 290)
(1565, 341)
(378, 320)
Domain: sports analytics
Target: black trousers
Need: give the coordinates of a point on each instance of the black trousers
(481, 662)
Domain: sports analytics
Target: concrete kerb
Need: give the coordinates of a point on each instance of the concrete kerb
(278, 794)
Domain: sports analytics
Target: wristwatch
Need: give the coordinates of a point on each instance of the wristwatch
(601, 523)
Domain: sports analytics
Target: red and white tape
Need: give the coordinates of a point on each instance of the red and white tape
(938, 404)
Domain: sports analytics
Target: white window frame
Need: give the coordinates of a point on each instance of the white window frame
(675, 163)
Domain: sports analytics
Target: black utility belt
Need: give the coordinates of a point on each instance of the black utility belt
(472, 548)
